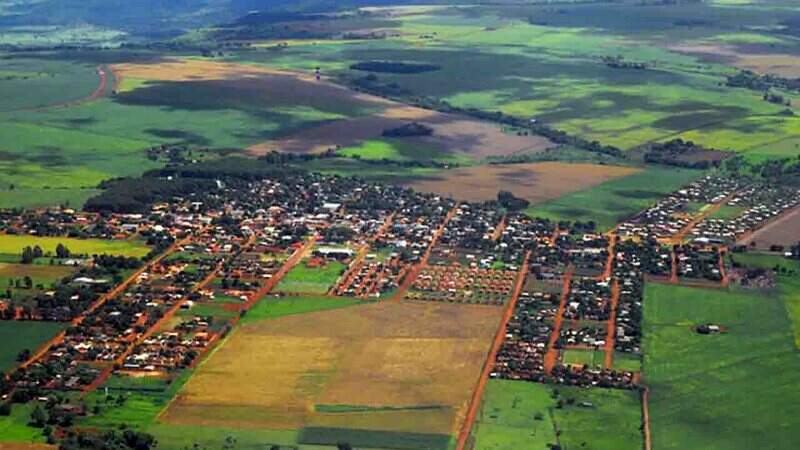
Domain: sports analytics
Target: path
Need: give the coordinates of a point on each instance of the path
(725, 280)
(679, 237)
(488, 365)
(552, 353)
(648, 440)
(673, 278)
(612, 325)
(609, 267)
(293, 260)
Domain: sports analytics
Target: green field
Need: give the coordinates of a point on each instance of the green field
(45, 275)
(583, 357)
(609, 203)
(19, 336)
(270, 308)
(14, 244)
(311, 280)
(520, 415)
(712, 392)
(15, 428)
(399, 150)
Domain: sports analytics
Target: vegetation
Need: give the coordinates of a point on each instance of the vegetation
(15, 244)
(271, 308)
(23, 338)
(304, 278)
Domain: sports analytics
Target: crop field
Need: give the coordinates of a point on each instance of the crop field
(720, 379)
(39, 198)
(396, 371)
(608, 203)
(311, 280)
(19, 336)
(784, 231)
(518, 414)
(44, 275)
(535, 182)
(271, 308)
(519, 67)
(14, 244)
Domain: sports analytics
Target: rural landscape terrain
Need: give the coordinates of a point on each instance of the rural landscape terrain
(399, 224)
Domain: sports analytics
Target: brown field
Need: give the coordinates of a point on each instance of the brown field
(452, 135)
(784, 231)
(782, 64)
(535, 182)
(402, 367)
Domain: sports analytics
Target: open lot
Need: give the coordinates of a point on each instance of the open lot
(742, 381)
(535, 182)
(521, 415)
(383, 370)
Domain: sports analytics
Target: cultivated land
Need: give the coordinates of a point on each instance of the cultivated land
(14, 244)
(535, 182)
(19, 336)
(713, 376)
(609, 203)
(783, 232)
(384, 368)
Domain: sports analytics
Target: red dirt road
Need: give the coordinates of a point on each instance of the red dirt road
(612, 325)
(488, 365)
(552, 353)
(648, 440)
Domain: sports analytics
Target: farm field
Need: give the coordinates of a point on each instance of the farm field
(518, 414)
(44, 275)
(608, 203)
(40, 198)
(518, 67)
(535, 182)
(424, 362)
(19, 336)
(271, 308)
(785, 231)
(14, 244)
(715, 377)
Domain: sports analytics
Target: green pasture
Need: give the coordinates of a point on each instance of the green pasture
(609, 203)
(580, 357)
(28, 83)
(14, 244)
(45, 275)
(14, 428)
(17, 336)
(40, 198)
(271, 307)
(401, 150)
(518, 414)
(311, 280)
(627, 362)
(711, 391)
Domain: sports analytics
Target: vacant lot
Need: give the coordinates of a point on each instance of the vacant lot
(520, 415)
(45, 275)
(784, 231)
(374, 369)
(13, 245)
(19, 336)
(719, 392)
(535, 182)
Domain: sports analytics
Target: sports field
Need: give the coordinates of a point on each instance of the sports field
(741, 381)
(366, 374)
(311, 280)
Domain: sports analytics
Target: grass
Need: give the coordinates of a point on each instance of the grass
(627, 361)
(271, 308)
(14, 244)
(583, 357)
(44, 275)
(40, 198)
(399, 150)
(311, 280)
(710, 392)
(727, 212)
(15, 428)
(19, 336)
(517, 415)
(613, 201)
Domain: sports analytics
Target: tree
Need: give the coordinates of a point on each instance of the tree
(27, 255)
(38, 417)
(344, 446)
(62, 251)
(28, 281)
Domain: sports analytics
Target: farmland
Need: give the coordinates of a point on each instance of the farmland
(536, 182)
(19, 336)
(328, 388)
(713, 375)
(610, 202)
(14, 244)
(271, 308)
(784, 232)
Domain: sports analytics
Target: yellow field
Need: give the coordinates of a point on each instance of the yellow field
(386, 366)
